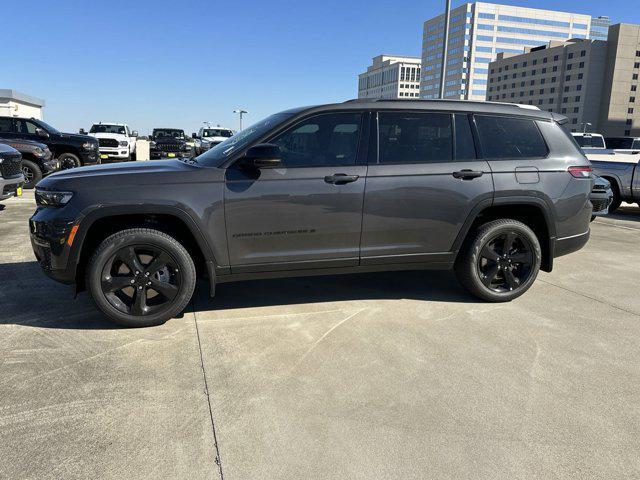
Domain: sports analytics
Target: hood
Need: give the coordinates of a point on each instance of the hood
(7, 150)
(78, 137)
(15, 142)
(116, 174)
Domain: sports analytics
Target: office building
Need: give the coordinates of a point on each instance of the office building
(564, 77)
(620, 99)
(478, 32)
(599, 28)
(593, 82)
(390, 76)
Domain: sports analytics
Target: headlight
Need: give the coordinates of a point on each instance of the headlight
(152, 144)
(38, 152)
(123, 143)
(89, 145)
(186, 147)
(52, 198)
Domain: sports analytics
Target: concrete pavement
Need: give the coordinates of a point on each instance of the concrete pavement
(392, 375)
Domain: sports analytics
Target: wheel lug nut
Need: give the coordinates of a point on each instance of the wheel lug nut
(140, 288)
(133, 281)
(146, 274)
(137, 272)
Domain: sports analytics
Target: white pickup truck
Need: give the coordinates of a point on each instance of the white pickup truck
(117, 141)
(622, 170)
(208, 137)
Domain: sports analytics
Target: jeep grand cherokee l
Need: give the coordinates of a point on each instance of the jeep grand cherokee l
(494, 191)
(71, 150)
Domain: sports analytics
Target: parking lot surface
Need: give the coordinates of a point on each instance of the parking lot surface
(390, 375)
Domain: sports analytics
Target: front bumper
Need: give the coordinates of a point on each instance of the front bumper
(159, 154)
(10, 187)
(90, 157)
(49, 230)
(601, 200)
(108, 155)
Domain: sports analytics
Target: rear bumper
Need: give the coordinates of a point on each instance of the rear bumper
(566, 245)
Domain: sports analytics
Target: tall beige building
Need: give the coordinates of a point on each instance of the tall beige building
(390, 76)
(620, 104)
(593, 82)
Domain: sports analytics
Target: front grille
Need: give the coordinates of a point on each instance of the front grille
(108, 142)
(600, 188)
(11, 167)
(169, 147)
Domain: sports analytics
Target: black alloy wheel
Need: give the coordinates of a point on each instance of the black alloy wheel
(141, 280)
(28, 174)
(68, 160)
(140, 277)
(499, 261)
(505, 262)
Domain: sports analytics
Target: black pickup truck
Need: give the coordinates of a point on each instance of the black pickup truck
(71, 150)
(37, 160)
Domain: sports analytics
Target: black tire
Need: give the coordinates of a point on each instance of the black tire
(133, 157)
(617, 199)
(593, 217)
(68, 160)
(514, 270)
(32, 173)
(127, 296)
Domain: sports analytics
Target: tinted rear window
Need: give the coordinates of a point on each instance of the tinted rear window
(507, 137)
(620, 143)
(414, 137)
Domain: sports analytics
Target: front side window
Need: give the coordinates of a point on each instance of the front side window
(324, 140)
(26, 127)
(507, 137)
(414, 138)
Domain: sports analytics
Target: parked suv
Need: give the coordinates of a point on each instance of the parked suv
(168, 143)
(494, 191)
(71, 150)
(117, 141)
(11, 178)
(37, 160)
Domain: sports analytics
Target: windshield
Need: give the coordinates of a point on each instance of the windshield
(223, 150)
(590, 141)
(168, 133)
(46, 126)
(102, 128)
(216, 132)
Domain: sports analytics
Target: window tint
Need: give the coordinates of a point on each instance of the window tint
(414, 137)
(620, 142)
(330, 139)
(589, 141)
(25, 126)
(5, 125)
(505, 137)
(465, 149)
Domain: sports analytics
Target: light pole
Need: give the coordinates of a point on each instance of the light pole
(240, 112)
(445, 41)
(584, 126)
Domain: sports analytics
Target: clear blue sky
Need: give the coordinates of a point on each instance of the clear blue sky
(178, 63)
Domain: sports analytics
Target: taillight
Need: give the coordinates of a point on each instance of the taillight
(580, 172)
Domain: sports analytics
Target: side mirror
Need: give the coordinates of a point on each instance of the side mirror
(263, 155)
(41, 133)
(82, 132)
(134, 134)
(194, 135)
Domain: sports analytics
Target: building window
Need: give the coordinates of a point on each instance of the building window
(636, 65)
(583, 53)
(629, 121)
(570, 56)
(569, 66)
(634, 88)
(541, 91)
(632, 99)
(565, 100)
(551, 100)
(577, 99)
(544, 60)
(581, 65)
(563, 111)
(580, 76)
(555, 58)
(578, 87)
(630, 111)
(544, 70)
(567, 78)
(566, 89)
(535, 62)
(574, 121)
(635, 76)
(533, 82)
(627, 133)
(543, 81)
(576, 109)
(555, 68)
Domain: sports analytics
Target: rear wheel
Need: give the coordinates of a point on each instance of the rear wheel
(68, 160)
(500, 261)
(32, 173)
(141, 277)
(617, 199)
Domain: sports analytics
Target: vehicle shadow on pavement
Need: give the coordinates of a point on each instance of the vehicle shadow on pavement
(629, 213)
(416, 285)
(29, 298)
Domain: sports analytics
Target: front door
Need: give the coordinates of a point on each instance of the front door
(421, 187)
(307, 212)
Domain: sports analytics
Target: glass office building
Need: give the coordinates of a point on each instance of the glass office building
(599, 28)
(478, 31)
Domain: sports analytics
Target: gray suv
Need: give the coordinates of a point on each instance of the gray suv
(493, 191)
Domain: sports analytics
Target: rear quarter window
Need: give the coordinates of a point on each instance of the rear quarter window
(510, 137)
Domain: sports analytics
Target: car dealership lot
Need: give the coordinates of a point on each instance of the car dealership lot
(391, 375)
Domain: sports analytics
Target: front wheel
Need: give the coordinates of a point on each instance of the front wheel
(32, 173)
(500, 262)
(141, 277)
(68, 160)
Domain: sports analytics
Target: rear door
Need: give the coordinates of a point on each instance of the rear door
(423, 181)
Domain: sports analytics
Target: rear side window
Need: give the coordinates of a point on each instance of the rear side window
(465, 148)
(507, 137)
(5, 125)
(414, 138)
